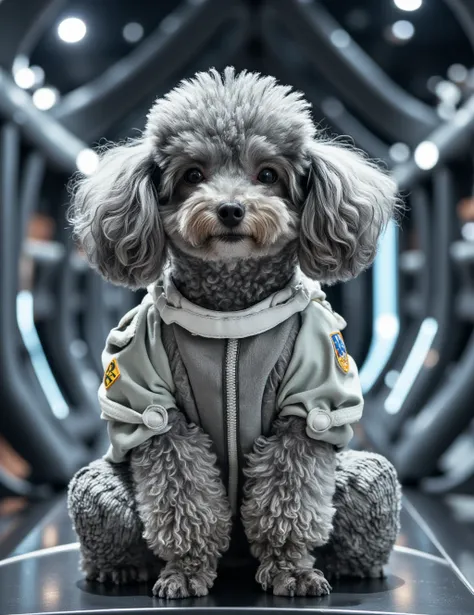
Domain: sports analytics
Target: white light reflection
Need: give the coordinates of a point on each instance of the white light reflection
(399, 152)
(391, 378)
(26, 325)
(408, 5)
(458, 73)
(72, 30)
(448, 92)
(340, 38)
(403, 30)
(385, 309)
(87, 161)
(413, 365)
(467, 231)
(426, 155)
(24, 78)
(45, 98)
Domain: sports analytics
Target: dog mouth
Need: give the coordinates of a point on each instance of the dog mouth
(231, 237)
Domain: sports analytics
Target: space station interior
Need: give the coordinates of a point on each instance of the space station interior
(394, 79)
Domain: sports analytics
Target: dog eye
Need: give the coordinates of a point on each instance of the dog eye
(267, 176)
(193, 176)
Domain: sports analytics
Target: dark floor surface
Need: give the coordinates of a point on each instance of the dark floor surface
(431, 571)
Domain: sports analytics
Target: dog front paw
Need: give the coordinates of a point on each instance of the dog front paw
(119, 575)
(300, 582)
(171, 586)
(175, 583)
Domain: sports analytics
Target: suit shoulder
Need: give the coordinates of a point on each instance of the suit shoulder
(132, 325)
(321, 316)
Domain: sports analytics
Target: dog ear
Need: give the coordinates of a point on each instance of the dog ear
(115, 216)
(349, 202)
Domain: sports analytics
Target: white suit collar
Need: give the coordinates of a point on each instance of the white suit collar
(275, 309)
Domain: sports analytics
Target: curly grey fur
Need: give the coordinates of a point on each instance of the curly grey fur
(288, 510)
(102, 506)
(103, 509)
(349, 203)
(115, 216)
(367, 520)
(232, 285)
(183, 506)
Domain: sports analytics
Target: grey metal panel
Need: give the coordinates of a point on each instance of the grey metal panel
(21, 22)
(439, 423)
(91, 109)
(378, 424)
(464, 11)
(53, 455)
(357, 77)
(451, 138)
(48, 135)
(288, 67)
(441, 305)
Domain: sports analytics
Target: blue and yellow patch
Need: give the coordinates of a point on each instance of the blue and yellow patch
(340, 350)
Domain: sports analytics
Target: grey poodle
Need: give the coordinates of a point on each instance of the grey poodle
(229, 389)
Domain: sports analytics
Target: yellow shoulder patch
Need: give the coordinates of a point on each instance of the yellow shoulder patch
(340, 350)
(112, 374)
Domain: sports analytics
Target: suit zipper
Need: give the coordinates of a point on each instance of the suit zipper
(232, 352)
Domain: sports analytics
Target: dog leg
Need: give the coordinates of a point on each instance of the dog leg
(101, 503)
(183, 506)
(367, 519)
(287, 510)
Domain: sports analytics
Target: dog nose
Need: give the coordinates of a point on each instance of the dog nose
(231, 214)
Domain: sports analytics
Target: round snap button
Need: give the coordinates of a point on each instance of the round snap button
(319, 421)
(155, 417)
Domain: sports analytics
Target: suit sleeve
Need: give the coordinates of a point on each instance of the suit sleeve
(321, 383)
(137, 390)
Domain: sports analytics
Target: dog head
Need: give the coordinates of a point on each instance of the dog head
(229, 167)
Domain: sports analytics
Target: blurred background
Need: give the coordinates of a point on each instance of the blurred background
(394, 76)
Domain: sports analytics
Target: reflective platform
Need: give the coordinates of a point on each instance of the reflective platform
(421, 579)
(49, 582)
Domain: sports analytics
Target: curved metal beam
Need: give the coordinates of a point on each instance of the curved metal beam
(53, 455)
(464, 12)
(216, 56)
(290, 67)
(91, 109)
(450, 139)
(447, 414)
(436, 338)
(21, 23)
(56, 345)
(360, 81)
(56, 143)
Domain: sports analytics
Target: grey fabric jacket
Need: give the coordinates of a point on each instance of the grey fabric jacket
(230, 372)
